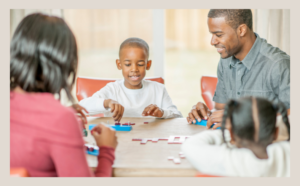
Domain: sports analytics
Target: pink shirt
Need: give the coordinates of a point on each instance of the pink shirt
(47, 140)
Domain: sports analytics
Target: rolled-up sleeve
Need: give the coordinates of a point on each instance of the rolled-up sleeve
(220, 95)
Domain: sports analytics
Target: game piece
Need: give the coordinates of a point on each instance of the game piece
(145, 122)
(171, 139)
(117, 123)
(181, 155)
(92, 149)
(115, 127)
(131, 123)
(170, 158)
(125, 124)
(137, 139)
(85, 133)
(203, 122)
(175, 160)
(155, 140)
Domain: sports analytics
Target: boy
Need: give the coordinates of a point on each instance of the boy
(132, 96)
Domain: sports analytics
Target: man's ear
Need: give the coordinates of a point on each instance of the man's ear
(118, 63)
(148, 64)
(276, 133)
(242, 30)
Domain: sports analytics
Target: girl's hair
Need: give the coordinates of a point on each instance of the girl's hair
(43, 55)
(254, 119)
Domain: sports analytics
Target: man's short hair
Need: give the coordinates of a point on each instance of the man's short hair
(233, 17)
(135, 42)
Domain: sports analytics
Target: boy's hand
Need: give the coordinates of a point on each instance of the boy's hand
(116, 108)
(199, 111)
(79, 110)
(104, 136)
(153, 110)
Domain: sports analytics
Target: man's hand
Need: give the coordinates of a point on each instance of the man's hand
(153, 110)
(199, 111)
(79, 110)
(116, 108)
(215, 118)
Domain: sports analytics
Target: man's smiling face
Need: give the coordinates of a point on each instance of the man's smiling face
(224, 37)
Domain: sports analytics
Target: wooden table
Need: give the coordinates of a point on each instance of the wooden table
(151, 159)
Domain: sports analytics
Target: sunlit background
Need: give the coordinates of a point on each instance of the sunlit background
(179, 43)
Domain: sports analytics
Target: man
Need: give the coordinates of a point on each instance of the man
(249, 66)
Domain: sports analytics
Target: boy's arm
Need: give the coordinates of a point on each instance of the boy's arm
(170, 110)
(95, 103)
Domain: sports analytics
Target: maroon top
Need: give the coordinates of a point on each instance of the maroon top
(47, 140)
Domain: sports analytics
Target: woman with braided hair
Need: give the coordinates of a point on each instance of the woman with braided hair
(245, 144)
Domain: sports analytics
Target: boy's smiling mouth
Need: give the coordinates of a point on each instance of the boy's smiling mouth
(134, 78)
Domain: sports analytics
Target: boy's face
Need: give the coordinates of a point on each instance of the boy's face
(133, 62)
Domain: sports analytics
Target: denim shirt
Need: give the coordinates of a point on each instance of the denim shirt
(264, 72)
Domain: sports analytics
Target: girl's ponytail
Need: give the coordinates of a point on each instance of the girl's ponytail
(227, 112)
(282, 110)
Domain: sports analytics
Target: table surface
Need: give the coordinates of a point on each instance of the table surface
(133, 159)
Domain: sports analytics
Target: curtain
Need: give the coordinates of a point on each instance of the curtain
(16, 15)
(274, 26)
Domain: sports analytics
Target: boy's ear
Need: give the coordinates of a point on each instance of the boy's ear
(148, 64)
(118, 63)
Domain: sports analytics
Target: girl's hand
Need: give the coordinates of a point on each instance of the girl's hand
(79, 110)
(104, 136)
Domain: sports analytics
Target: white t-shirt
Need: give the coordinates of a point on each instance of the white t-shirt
(209, 155)
(134, 101)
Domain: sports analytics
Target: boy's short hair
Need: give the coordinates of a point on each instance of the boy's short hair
(135, 42)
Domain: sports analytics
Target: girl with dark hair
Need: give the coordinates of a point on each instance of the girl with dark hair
(246, 147)
(46, 137)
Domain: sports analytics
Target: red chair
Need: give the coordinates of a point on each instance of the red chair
(208, 86)
(86, 87)
(19, 172)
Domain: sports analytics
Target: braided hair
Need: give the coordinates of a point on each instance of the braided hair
(254, 119)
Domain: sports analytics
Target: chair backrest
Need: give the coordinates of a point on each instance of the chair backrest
(86, 87)
(208, 86)
(19, 172)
